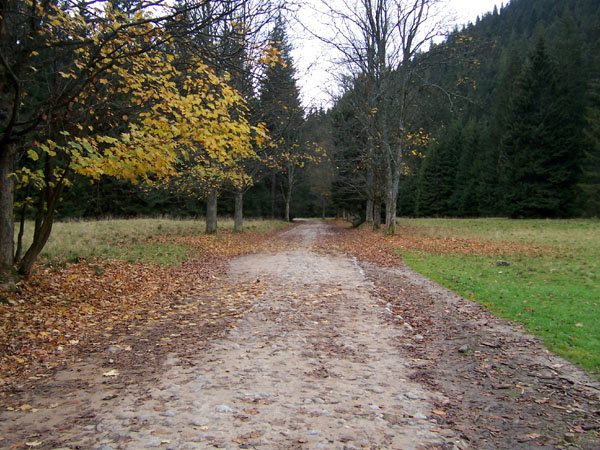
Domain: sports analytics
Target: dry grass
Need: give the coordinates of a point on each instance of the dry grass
(131, 239)
(561, 234)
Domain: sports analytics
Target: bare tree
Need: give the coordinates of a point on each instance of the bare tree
(377, 41)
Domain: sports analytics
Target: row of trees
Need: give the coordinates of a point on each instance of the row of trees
(501, 119)
(183, 98)
(374, 129)
(171, 103)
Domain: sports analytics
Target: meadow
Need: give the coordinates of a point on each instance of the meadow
(145, 240)
(551, 287)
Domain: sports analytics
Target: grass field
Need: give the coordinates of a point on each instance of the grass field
(132, 240)
(554, 291)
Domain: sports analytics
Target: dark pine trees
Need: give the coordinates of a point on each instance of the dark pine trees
(437, 176)
(591, 160)
(541, 153)
(283, 115)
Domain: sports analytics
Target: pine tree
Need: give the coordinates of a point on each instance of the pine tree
(464, 201)
(591, 159)
(437, 176)
(488, 189)
(542, 156)
(282, 112)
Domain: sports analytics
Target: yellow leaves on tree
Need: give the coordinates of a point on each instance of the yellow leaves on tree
(172, 111)
(202, 115)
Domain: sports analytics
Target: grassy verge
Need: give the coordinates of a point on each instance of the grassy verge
(134, 240)
(554, 293)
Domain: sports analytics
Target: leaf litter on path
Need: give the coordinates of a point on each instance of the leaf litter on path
(61, 312)
(505, 391)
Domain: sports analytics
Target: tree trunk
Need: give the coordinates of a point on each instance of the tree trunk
(288, 199)
(323, 207)
(238, 213)
(371, 189)
(395, 187)
(44, 221)
(211, 212)
(7, 230)
(291, 173)
(19, 250)
(377, 214)
(273, 193)
(369, 214)
(389, 207)
(39, 241)
(389, 177)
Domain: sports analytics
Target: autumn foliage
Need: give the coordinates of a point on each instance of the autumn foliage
(105, 90)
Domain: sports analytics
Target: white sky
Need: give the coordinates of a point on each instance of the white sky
(312, 59)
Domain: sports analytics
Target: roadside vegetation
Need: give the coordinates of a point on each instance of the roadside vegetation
(551, 285)
(162, 241)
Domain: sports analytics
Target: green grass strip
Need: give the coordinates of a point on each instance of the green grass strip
(555, 297)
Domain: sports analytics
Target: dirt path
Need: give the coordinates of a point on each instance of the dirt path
(317, 358)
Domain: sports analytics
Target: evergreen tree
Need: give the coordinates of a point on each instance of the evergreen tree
(438, 175)
(542, 156)
(488, 192)
(282, 114)
(464, 201)
(591, 160)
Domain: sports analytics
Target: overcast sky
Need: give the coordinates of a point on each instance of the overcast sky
(312, 59)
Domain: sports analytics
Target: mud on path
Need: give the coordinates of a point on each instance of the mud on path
(313, 349)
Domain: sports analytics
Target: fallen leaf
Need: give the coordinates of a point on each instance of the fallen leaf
(530, 436)
(111, 373)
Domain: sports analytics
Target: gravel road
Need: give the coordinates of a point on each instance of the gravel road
(316, 360)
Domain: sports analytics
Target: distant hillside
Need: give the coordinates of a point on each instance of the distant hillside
(473, 102)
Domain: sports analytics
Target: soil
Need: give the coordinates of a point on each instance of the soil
(301, 346)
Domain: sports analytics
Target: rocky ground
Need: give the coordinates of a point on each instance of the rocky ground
(305, 347)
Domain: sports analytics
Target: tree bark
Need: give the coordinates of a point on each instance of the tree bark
(377, 215)
(43, 229)
(273, 192)
(211, 212)
(19, 250)
(369, 214)
(7, 225)
(395, 188)
(389, 206)
(238, 213)
(288, 199)
(39, 241)
(288, 194)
